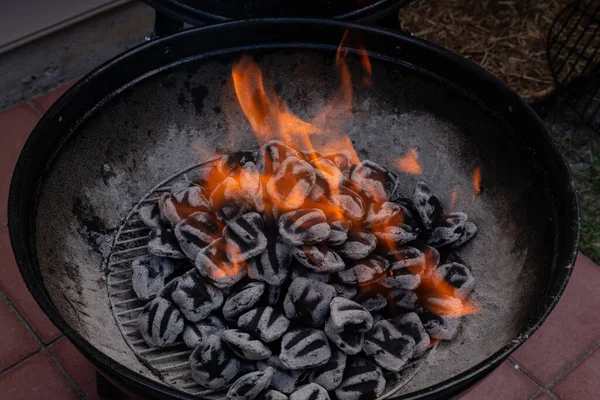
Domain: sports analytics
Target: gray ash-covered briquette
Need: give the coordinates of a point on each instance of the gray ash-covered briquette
(149, 274)
(245, 346)
(304, 227)
(249, 386)
(381, 213)
(411, 324)
(304, 348)
(160, 323)
(272, 154)
(330, 375)
(459, 277)
(231, 164)
(291, 183)
(266, 322)
(365, 271)
(272, 395)
(448, 230)
(406, 257)
(349, 342)
(371, 300)
(227, 200)
(150, 215)
(273, 264)
(363, 380)
(319, 258)
(284, 380)
(468, 234)
(195, 297)
(358, 245)
(244, 237)
(299, 271)
(312, 391)
(348, 316)
(213, 264)
(307, 301)
(396, 232)
(328, 178)
(251, 187)
(427, 204)
(242, 300)
(196, 232)
(195, 332)
(347, 203)
(343, 290)
(213, 365)
(390, 347)
(339, 232)
(400, 301)
(181, 204)
(373, 180)
(401, 278)
(439, 327)
(342, 160)
(163, 243)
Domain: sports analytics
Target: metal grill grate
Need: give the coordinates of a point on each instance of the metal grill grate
(574, 57)
(170, 364)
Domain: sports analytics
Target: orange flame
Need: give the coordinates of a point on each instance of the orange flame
(409, 163)
(477, 180)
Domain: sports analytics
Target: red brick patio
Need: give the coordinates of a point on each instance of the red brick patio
(561, 361)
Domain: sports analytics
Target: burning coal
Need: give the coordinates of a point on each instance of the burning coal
(300, 271)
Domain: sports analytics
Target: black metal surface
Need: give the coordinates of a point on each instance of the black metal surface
(60, 124)
(574, 57)
(205, 12)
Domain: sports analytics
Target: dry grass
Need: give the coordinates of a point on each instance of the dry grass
(506, 37)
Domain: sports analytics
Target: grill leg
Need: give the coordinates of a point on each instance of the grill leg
(108, 391)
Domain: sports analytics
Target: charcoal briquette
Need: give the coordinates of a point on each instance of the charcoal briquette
(304, 348)
(266, 322)
(272, 395)
(365, 271)
(346, 202)
(363, 380)
(284, 380)
(273, 294)
(177, 206)
(444, 305)
(304, 227)
(343, 290)
(319, 258)
(244, 237)
(245, 346)
(163, 243)
(196, 232)
(390, 347)
(196, 332)
(449, 229)
(427, 205)
(358, 245)
(307, 301)
(328, 178)
(402, 301)
(273, 153)
(291, 183)
(349, 342)
(149, 274)
(213, 264)
(150, 215)
(243, 300)
(401, 278)
(348, 316)
(249, 386)
(440, 327)
(407, 257)
(412, 325)
(382, 213)
(371, 300)
(273, 264)
(343, 161)
(374, 181)
(251, 187)
(160, 323)
(195, 297)
(298, 271)
(395, 233)
(213, 365)
(468, 234)
(227, 199)
(458, 276)
(339, 232)
(330, 375)
(312, 391)
(232, 163)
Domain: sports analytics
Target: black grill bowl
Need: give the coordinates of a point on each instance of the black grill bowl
(169, 104)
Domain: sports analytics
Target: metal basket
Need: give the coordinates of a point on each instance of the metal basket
(574, 58)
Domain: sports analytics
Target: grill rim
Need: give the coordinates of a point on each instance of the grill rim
(31, 169)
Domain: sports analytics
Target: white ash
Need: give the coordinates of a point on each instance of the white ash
(313, 302)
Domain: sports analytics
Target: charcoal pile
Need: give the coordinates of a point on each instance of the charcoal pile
(300, 275)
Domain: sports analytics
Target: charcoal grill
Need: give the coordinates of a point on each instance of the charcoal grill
(121, 135)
